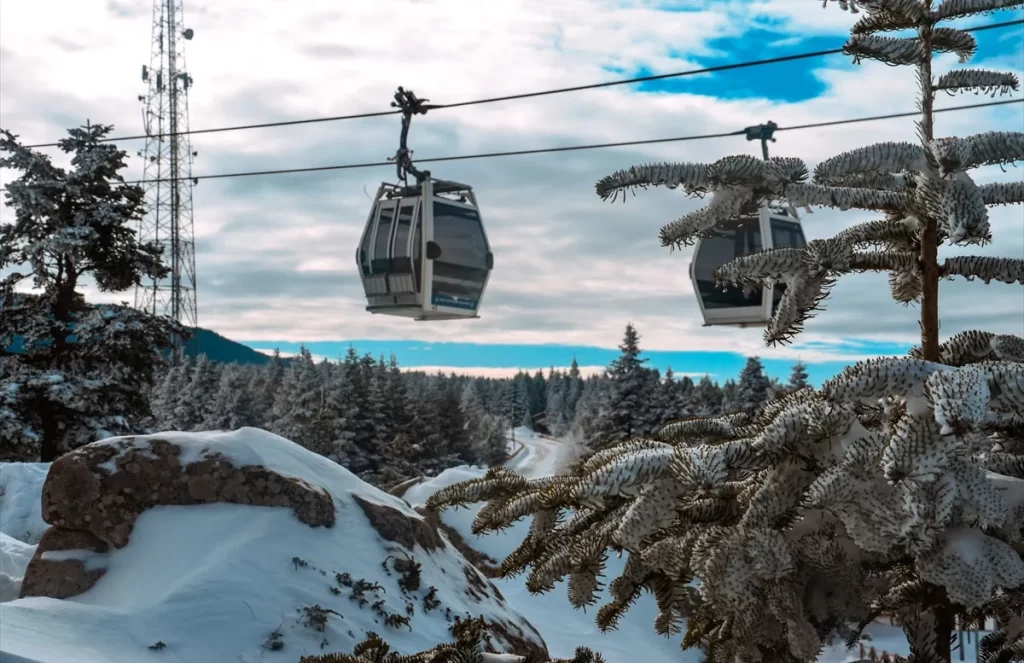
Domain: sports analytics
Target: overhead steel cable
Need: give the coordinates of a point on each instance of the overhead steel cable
(577, 148)
(525, 95)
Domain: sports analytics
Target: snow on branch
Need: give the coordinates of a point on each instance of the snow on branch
(977, 80)
(895, 51)
(890, 233)
(693, 177)
(986, 149)
(960, 8)
(1002, 193)
(740, 185)
(974, 346)
(871, 160)
(884, 22)
(726, 203)
(986, 268)
(802, 195)
(890, 50)
(951, 40)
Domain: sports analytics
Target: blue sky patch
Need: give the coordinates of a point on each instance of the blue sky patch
(720, 365)
(793, 81)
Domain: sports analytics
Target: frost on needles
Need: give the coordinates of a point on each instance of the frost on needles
(896, 489)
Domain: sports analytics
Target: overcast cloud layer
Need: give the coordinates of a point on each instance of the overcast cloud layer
(275, 254)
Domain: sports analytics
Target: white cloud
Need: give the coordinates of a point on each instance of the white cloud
(274, 254)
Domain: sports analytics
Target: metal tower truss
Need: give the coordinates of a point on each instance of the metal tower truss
(167, 171)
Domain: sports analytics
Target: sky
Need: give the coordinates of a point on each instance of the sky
(275, 254)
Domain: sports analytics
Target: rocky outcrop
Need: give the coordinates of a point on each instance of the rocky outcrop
(393, 525)
(93, 496)
(60, 567)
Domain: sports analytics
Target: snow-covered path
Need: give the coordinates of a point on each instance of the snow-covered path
(541, 455)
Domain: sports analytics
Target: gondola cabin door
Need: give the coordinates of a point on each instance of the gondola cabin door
(458, 257)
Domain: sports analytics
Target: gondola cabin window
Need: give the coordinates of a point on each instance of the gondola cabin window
(742, 238)
(462, 265)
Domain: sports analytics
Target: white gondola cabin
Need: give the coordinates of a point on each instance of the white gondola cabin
(731, 306)
(424, 252)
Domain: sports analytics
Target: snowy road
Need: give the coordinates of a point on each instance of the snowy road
(540, 457)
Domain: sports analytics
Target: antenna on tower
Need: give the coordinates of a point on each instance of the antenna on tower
(167, 172)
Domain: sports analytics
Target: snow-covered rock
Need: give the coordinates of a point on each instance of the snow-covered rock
(235, 582)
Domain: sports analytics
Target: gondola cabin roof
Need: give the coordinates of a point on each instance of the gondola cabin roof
(731, 306)
(424, 252)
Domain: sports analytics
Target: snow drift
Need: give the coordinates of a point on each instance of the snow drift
(232, 582)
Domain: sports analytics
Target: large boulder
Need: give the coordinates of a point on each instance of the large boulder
(93, 495)
(230, 546)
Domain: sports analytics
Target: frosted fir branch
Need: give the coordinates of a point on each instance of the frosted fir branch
(883, 22)
(972, 346)
(952, 40)
(887, 181)
(801, 195)
(986, 268)
(890, 233)
(960, 8)
(693, 177)
(966, 217)
(760, 267)
(1002, 193)
(726, 203)
(804, 294)
(978, 81)
(906, 286)
(971, 581)
(879, 378)
(987, 149)
(878, 160)
(885, 261)
(893, 51)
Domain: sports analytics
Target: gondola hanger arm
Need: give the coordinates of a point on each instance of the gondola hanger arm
(764, 133)
(409, 104)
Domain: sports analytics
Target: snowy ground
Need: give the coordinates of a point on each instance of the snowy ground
(213, 582)
(563, 627)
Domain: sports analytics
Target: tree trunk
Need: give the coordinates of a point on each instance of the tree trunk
(929, 258)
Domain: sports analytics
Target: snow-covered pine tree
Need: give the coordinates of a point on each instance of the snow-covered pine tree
(575, 390)
(625, 411)
(164, 401)
(555, 416)
(892, 489)
(798, 377)
(707, 397)
(730, 398)
(299, 400)
(269, 382)
(753, 388)
(233, 405)
(82, 370)
(335, 418)
(195, 404)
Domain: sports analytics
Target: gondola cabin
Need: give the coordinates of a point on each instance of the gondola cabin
(731, 307)
(424, 252)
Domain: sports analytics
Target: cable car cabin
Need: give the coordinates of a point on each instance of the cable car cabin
(424, 253)
(731, 307)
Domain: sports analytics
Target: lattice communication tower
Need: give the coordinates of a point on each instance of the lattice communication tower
(167, 171)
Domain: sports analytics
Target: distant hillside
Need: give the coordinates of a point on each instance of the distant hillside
(221, 349)
(207, 342)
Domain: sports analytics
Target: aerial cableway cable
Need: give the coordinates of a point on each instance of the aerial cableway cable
(525, 95)
(576, 148)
